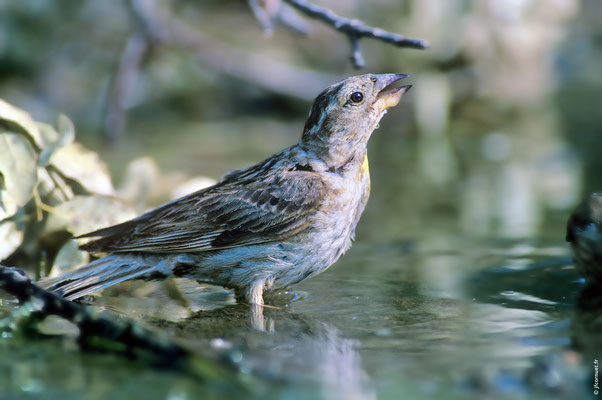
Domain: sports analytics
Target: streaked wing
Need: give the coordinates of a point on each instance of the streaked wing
(229, 214)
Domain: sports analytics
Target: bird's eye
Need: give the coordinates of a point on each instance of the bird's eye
(356, 97)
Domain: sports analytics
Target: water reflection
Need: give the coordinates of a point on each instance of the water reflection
(530, 299)
(383, 324)
(586, 323)
(298, 353)
(310, 357)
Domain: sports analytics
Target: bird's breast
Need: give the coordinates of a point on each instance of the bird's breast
(332, 227)
(341, 210)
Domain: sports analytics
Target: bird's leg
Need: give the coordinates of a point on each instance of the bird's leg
(253, 295)
(254, 292)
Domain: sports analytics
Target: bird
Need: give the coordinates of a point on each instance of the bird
(584, 233)
(259, 229)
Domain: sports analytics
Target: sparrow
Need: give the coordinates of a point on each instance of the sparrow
(262, 228)
(584, 233)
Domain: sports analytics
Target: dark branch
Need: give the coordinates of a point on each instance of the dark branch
(94, 330)
(356, 52)
(274, 11)
(291, 19)
(100, 333)
(155, 27)
(355, 29)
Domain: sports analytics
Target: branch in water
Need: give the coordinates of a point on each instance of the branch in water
(100, 333)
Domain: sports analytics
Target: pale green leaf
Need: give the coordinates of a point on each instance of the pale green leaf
(52, 187)
(192, 185)
(139, 181)
(13, 119)
(18, 173)
(84, 166)
(84, 214)
(56, 140)
(66, 130)
(10, 238)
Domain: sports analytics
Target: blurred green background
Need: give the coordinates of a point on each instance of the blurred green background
(499, 136)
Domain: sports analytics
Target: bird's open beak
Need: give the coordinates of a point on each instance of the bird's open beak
(388, 97)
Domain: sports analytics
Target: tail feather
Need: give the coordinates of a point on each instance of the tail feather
(99, 274)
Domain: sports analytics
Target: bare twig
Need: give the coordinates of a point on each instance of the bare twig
(122, 85)
(355, 29)
(268, 12)
(291, 19)
(241, 64)
(356, 52)
(264, 19)
(155, 27)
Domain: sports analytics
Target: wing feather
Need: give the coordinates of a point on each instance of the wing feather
(229, 214)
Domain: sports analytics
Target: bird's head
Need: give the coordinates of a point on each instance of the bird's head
(345, 114)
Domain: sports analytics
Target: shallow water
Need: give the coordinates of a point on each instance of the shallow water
(487, 319)
(414, 310)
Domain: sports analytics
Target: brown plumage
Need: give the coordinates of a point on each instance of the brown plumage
(269, 226)
(235, 212)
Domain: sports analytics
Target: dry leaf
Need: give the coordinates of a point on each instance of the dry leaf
(10, 238)
(15, 120)
(84, 166)
(18, 173)
(83, 214)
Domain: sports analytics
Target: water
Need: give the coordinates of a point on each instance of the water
(421, 307)
(482, 319)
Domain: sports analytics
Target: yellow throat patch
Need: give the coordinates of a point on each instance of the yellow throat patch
(365, 166)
